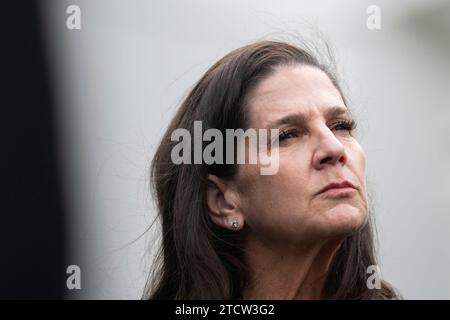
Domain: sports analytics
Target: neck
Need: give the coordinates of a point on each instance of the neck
(288, 272)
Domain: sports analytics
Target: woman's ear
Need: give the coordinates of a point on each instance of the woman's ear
(223, 203)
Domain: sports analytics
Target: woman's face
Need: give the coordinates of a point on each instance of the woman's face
(316, 148)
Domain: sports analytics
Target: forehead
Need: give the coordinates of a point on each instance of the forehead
(292, 89)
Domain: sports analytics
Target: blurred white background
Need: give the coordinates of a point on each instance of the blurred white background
(120, 78)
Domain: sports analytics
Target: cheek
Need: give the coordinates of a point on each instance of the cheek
(273, 206)
(248, 186)
(268, 195)
(291, 175)
(258, 192)
(356, 156)
(361, 160)
(357, 163)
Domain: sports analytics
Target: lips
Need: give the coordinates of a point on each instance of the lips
(337, 185)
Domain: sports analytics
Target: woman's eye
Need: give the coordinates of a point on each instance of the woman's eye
(345, 125)
(288, 134)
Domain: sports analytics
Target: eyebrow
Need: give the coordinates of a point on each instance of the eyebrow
(301, 119)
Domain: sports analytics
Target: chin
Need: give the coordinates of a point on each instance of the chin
(342, 221)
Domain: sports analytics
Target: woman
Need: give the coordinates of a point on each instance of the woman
(230, 232)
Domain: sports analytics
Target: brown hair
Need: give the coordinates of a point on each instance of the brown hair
(197, 258)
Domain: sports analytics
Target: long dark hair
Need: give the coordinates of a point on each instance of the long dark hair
(198, 259)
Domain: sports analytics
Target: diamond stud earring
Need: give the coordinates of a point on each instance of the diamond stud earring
(235, 225)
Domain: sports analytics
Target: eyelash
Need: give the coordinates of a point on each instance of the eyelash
(346, 126)
(284, 135)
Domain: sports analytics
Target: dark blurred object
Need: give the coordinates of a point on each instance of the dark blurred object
(32, 236)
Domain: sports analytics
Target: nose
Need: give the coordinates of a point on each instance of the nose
(329, 150)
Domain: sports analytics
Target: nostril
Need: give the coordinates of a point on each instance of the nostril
(325, 160)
